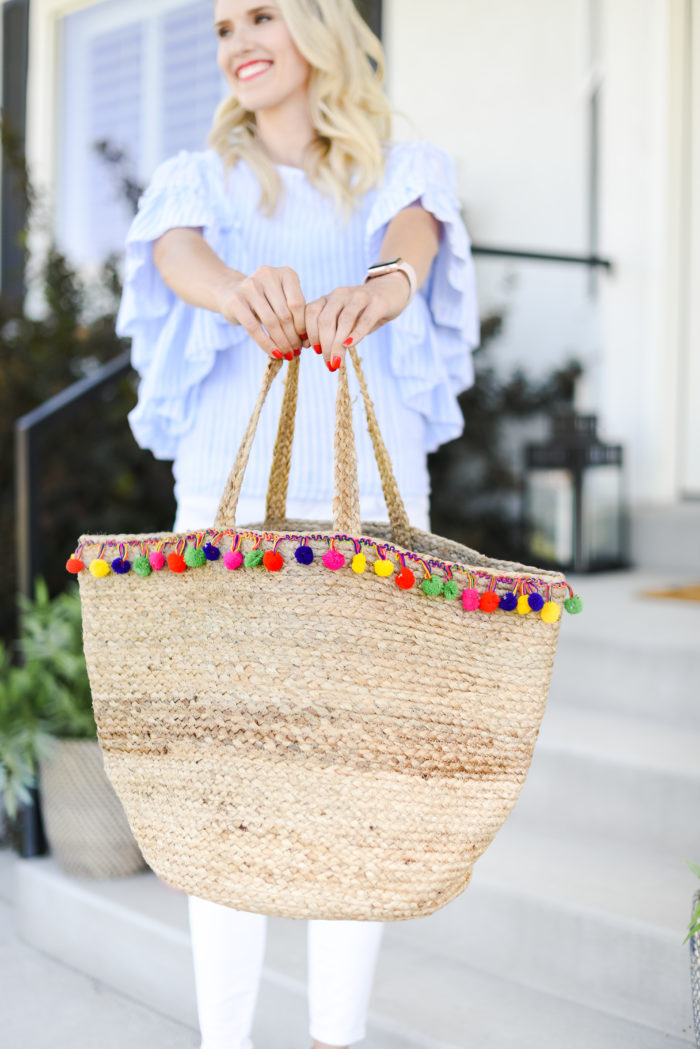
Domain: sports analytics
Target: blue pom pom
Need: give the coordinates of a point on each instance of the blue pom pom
(211, 552)
(535, 601)
(121, 566)
(304, 555)
(509, 602)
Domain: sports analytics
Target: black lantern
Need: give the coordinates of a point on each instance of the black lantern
(574, 516)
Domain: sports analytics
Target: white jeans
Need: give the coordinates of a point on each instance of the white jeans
(228, 945)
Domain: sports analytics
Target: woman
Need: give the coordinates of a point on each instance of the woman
(262, 242)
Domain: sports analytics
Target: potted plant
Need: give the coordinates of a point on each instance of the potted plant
(85, 824)
(694, 937)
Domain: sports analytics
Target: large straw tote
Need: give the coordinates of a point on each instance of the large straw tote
(290, 731)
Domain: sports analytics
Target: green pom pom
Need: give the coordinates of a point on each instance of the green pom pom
(253, 558)
(195, 557)
(142, 567)
(433, 586)
(574, 604)
(450, 590)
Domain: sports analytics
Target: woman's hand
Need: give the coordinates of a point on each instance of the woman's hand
(346, 315)
(270, 298)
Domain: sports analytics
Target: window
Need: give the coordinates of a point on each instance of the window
(148, 84)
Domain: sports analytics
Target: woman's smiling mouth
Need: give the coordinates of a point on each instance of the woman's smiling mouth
(252, 69)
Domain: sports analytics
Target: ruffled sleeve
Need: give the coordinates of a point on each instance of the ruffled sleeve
(431, 342)
(173, 345)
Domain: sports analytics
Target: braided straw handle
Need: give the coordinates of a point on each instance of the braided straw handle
(346, 513)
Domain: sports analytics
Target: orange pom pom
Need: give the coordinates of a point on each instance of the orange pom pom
(74, 565)
(176, 563)
(273, 561)
(405, 579)
(489, 601)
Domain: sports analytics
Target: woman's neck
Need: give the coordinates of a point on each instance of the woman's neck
(286, 131)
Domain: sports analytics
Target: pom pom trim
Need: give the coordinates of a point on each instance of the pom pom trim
(481, 592)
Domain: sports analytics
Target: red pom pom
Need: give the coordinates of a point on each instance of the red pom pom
(405, 579)
(74, 565)
(273, 561)
(176, 563)
(489, 601)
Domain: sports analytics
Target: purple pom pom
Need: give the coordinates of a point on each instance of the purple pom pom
(509, 602)
(211, 552)
(304, 555)
(121, 566)
(535, 601)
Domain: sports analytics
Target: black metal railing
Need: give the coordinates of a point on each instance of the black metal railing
(591, 261)
(28, 429)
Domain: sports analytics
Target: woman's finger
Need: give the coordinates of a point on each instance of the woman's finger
(349, 325)
(296, 302)
(261, 305)
(283, 319)
(311, 316)
(251, 322)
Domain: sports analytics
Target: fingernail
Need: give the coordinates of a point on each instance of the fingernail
(304, 336)
(297, 353)
(328, 365)
(335, 364)
(318, 348)
(277, 354)
(347, 342)
(289, 356)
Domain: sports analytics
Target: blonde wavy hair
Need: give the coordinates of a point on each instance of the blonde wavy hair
(349, 111)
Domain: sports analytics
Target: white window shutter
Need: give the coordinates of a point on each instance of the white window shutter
(144, 79)
(191, 77)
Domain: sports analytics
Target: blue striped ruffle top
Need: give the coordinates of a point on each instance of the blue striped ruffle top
(200, 375)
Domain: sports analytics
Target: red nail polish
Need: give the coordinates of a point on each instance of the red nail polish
(277, 354)
(347, 342)
(304, 336)
(289, 356)
(318, 349)
(297, 353)
(328, 365)
(335, 364)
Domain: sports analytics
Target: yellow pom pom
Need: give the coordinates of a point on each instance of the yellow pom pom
(359, 563)
(383, 568)
(99, 568)
(523, 605)
(550, 611)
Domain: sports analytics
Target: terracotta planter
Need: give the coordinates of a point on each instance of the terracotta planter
(85, 824)
(695, 974)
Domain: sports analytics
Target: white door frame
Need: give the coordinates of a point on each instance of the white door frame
(685, 165)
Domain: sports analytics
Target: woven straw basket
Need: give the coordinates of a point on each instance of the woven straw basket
(290, 731)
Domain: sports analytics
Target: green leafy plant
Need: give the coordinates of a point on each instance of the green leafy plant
(24, 739)
(47, 696)
(51, 642)
(476, 480)
(695, 920)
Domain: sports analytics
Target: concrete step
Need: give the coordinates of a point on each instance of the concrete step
(602, 927)
(614, 778)
(132, 934)
(629, 653)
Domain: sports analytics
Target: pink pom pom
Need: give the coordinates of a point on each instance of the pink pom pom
(470, 600)
(333, 559)
(156, 560)
(233, 560)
